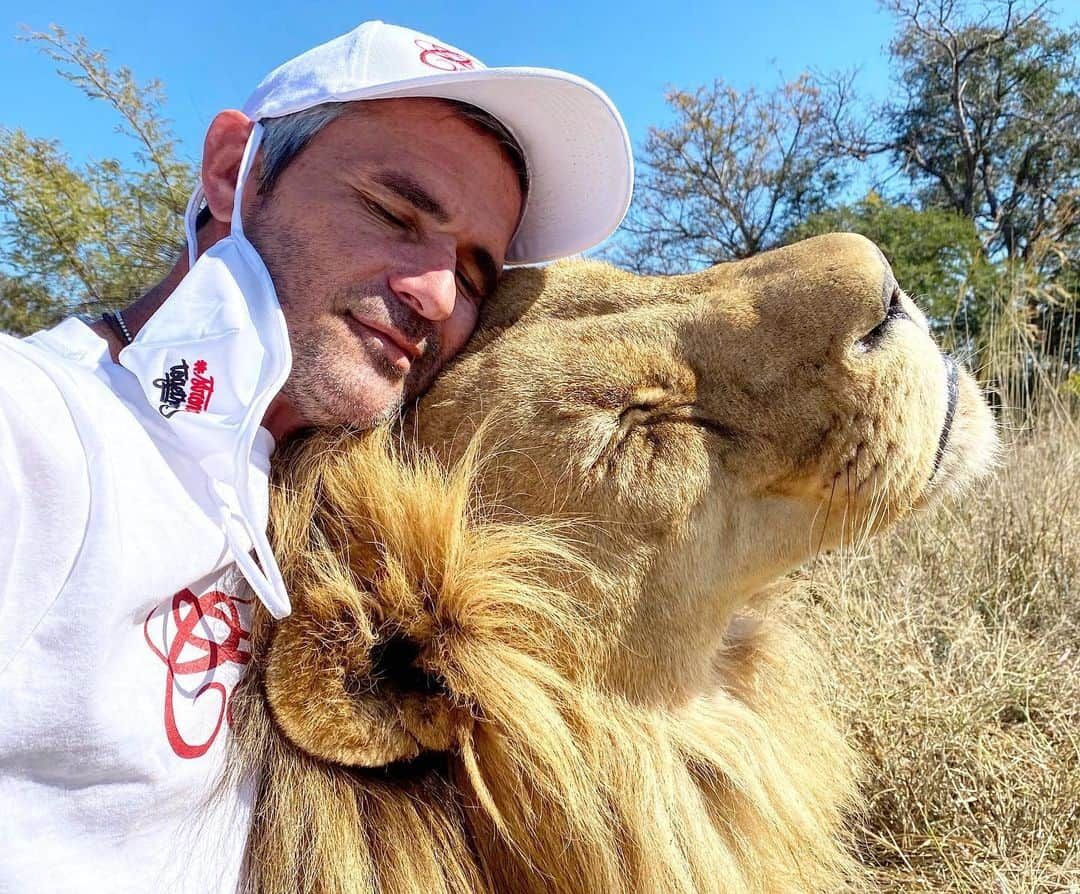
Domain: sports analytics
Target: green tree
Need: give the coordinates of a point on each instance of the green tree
(91, 236)
(26, 307)
(985, 119)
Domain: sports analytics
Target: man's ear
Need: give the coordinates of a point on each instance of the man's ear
(222, 151)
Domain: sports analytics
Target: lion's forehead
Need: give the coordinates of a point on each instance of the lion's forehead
(701, 351)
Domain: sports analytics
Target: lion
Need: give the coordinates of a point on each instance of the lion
(535, 644)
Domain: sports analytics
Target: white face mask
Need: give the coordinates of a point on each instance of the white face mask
(210, 360)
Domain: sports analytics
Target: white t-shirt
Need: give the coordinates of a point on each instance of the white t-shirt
(121, 635)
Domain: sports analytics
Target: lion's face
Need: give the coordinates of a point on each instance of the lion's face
(709, 431)
(694, 438)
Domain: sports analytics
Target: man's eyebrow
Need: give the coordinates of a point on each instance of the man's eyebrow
(413, 193)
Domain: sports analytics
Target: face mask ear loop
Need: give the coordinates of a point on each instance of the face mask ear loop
(191, 214)
(194, 205)
(254, 139)
(266, 581)
(280, 605)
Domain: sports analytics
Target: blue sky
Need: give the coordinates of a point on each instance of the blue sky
(210, 56)
(212, 60)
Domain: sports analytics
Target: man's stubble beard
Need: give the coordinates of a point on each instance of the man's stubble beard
(346, 382)
(323, 396)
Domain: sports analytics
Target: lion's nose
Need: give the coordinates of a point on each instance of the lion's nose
(893, 309)
(832, 290)
(866, 296)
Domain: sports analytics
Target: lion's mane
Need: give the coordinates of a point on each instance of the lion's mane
(518, 776)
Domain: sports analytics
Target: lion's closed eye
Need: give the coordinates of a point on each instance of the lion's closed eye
(656, 432)
(653, 414)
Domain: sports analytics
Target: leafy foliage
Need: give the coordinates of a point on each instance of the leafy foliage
(92, 236)
(986, 118)
(26, 307)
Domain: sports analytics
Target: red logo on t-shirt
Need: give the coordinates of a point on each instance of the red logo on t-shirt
(200, 635)
(443, 58)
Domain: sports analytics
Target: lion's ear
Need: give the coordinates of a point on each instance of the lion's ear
(355, 696)
(348, 675)
(414, 613)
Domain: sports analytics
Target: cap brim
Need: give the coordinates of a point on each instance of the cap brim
(577, 150)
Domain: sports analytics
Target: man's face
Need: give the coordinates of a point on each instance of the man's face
(383, 238)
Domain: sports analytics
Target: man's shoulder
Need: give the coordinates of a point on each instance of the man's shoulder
(37, 428)
(43, 393)
(70, 344)
(45, 489)
(54, 375)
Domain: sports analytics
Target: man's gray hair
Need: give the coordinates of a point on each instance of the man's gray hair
(285, 137)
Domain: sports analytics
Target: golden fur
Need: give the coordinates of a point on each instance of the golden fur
(534, 646)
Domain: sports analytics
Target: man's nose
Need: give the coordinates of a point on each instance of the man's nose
(428, 285)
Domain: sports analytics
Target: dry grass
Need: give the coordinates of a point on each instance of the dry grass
(956, 644)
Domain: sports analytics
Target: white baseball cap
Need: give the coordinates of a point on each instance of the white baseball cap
(577, 151)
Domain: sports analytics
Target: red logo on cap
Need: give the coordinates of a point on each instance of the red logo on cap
(443, 58)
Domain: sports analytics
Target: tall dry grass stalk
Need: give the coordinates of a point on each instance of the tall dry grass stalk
(956, 644)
